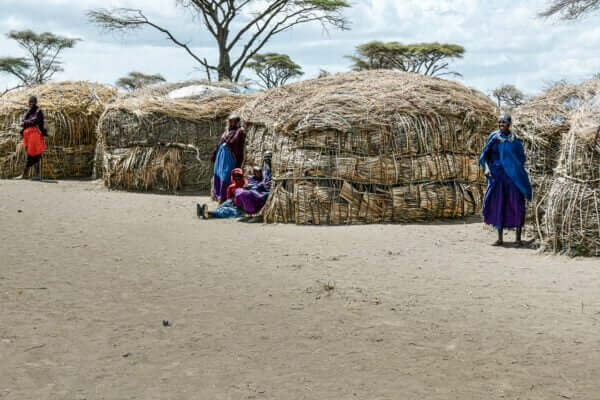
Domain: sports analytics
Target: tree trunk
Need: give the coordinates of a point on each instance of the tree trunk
(225, 71)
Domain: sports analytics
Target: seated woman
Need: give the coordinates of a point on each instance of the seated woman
(227, 209)
(252, 197)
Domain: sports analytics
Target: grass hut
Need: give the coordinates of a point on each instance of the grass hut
(542, 124)
(156, 144)
(71, 111)
(572, 220)
(370, 147)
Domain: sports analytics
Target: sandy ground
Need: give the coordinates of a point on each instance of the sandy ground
(427, 311)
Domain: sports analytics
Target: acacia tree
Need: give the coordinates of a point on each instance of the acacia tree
(274, 69)
(135, 80)
(42, 61)
(509, 96)
(570, 9)
(431, 59)
(243, 24)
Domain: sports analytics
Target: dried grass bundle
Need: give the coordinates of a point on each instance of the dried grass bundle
(572, 220)
(71, 110)
(377, 132)
(542, 124)
(157, 144)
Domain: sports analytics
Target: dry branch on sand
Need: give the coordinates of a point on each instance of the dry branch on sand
(71, 111)
(572, 220)
(153, 143)
(368, 147)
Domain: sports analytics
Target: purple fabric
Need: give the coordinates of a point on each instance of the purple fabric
(249, 200)
(504, 204)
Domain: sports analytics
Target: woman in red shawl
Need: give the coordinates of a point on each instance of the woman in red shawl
(33, 138)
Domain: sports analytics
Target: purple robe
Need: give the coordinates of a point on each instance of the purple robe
(254, 197)
(504, 202)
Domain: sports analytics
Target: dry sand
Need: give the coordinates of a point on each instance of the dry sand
(425, 311)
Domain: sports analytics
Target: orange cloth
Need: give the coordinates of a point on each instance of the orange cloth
(33, 141)
(239, 184)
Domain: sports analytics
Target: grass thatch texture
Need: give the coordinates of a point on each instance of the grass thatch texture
(572, 221)
(57, 162)
(316, 203)
(543, 124)
(162, 145)
(383, 170)
(71, 110)
(408, 144)
(377, 112)
(580, 154)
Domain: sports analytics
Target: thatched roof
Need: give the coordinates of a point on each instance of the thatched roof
(217, 107)
(543, 121)
(368, 99)
(67, 97)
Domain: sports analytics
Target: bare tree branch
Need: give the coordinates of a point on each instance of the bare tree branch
(570, 9)
(255, 28)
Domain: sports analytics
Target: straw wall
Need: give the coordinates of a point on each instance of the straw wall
(161, 145)
(542, 124)
(371, 147)
(71, 111)
(572, 222)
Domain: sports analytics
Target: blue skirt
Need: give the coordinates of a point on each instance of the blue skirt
(224, 164)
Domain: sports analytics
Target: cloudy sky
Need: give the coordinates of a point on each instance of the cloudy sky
(505, 42)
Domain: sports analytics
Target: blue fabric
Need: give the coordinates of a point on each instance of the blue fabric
(504, 204)
(224, 164)
(227, 210)
(511, 159)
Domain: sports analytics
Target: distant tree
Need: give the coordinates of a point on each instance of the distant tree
(431, 59)
(274, 69)
(509, 96)
(570, 9)
(42, 60)
(240, 28)
(136, 80)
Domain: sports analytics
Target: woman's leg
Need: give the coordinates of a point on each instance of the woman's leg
(519, 241)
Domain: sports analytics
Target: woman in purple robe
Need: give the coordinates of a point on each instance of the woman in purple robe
(253, 197)
(228, 155)
(503, 158)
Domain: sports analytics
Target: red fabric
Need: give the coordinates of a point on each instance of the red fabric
(33, 141)
(236, 185)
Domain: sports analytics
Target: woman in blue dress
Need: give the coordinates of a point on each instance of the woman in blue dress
(503, 159)
(228, 155)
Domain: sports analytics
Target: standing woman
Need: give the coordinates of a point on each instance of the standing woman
(503, 158)
(228, 155)
(33, 133)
